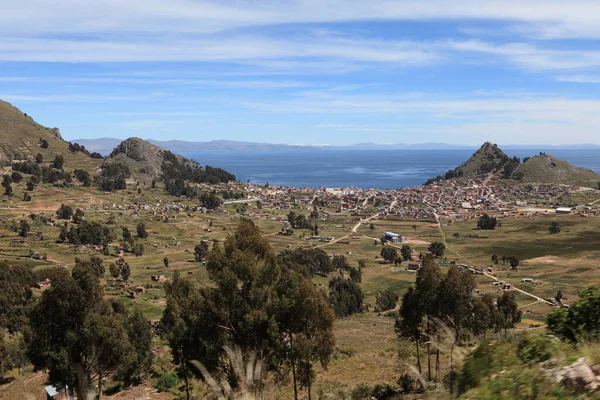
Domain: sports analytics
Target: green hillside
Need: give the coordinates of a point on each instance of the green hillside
(548, 169)
(22, 137)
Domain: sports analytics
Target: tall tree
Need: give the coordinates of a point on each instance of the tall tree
(406, 252)
(509, 312)
(410, 320)
(76, 335)
(437, 249)
(141, 230)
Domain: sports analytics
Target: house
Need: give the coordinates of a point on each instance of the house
(140, 289)
(43, 284)
(564, 210)
(52, 393)
(413, 266)
(158, 278)
(393, 237)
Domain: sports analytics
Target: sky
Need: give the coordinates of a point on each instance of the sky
(307, 71)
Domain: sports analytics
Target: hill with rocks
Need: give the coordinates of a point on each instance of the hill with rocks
(145, 162)
(545, 168)
(488, 159)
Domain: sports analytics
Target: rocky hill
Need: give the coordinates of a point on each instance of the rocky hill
(144, 162)
(22, 138)
(545, 168)
(489, 158)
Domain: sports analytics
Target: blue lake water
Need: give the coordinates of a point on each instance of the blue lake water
(380, 169)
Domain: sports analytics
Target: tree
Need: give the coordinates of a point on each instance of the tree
(509, 312)
(486, 222)
(410, 320)
(166, 262)
(78, 216)
(138, 249)
(140, 335)
(554, 228)
(64, 212)
(437, 249)
(306, 320)
(16, 177)
(580, 322)
(427, 285)
(559, 296)
(6, 184)
(141, 231)
(124, 268)
(406, 252)
(126, 234)
(386, 301)
(94, 265)
(16, 296)
(76, 336)
(345, 296)
(372, 226)
(58, 162)
(200, 251)
(456, 305)
(485, 315)
(114, 270)
(39, 158)
(513, 261)
(266, 309)
(495, 259)
(83, 176)
(44, 143)
(389, 254)
(24, 228)
(210, 200)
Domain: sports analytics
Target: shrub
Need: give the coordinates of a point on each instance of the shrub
(534, 349)
(386, 301)
(166, 381)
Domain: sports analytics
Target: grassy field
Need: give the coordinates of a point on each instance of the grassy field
(366, 344)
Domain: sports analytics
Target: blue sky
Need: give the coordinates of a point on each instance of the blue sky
(307, 72)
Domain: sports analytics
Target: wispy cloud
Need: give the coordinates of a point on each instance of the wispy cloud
(579, 78)
(547, 18)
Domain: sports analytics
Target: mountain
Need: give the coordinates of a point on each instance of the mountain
(545, 168)
(105, 145)
(145, 162)
(23, 138)
(487, 159)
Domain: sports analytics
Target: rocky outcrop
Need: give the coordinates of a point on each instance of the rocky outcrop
(579, 377)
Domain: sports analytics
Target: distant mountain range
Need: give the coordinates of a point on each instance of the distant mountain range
(106, 145)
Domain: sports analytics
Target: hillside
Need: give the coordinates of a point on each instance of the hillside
(145, 162)
(22, 137)
(489, 158)
(548, 169)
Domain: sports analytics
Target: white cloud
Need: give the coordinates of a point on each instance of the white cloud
(545, 18)
(579, 78)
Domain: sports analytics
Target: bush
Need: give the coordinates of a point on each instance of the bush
(534, 349)
(166, 381)
(386, 301)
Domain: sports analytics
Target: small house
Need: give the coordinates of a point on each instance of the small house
(564, 210)
(43, 284)
(52, 393)
(413, 266)
(158, 278)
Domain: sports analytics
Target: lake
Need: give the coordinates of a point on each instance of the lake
(378, 169)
